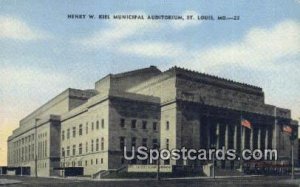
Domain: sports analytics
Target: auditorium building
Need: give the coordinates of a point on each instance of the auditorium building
(175, 108)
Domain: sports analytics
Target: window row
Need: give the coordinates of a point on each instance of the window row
(80, 163)
(24, 140)
(23, 154)
(42, 135)
(95, 145)
(142, 162)
(67, 134)
(144, 124)
(144, 142)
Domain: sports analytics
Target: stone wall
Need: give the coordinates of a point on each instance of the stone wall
(162, 86)
(131, 110)
(124, 81)
(92, 160)
(214, 95)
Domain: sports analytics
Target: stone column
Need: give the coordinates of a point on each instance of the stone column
(217, 135)
(275, 136)
(266, 138)
(235, 137)
(258, 138)
(208, 135)
(243, 137)
(226, 138)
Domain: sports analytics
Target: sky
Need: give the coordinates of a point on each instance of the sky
(42, 52)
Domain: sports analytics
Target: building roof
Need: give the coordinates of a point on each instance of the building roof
(178, 70)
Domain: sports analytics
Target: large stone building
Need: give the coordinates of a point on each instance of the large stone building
(175, 108)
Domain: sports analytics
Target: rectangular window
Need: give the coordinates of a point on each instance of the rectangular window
(167, 125)
(74, 150)
(68, 133)
(86, 147)
(97, 144)
(144, 142)
(46, 148)
(155, 126)
(80, 149)
(102, 123)
(32, 151)
(68, 151)
(92, 145)
(87, 128)
(133, 141)
(144, 124)
(167, 143)
(80, 130)
(29, 152)
(102, 144)
(92, 126)
(122, 122)
(122, 142)
(74, 132)
(97, 125)
(154, 144)
(63, 135)
(133, 123)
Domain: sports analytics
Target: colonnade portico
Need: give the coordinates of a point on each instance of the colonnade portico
(227, 133)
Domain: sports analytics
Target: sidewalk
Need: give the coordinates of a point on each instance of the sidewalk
(173, 178)
(8, 182)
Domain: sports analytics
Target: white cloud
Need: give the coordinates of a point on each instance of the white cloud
(23, 89)
(119, 31)
(271, 54)
(26, 77)
(13, 28)
(265, 51)
(259, 49)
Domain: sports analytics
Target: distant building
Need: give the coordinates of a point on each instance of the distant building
(176, 108)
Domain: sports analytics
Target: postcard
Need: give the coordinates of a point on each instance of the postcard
(154, 93)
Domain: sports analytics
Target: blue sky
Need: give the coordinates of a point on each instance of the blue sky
(42, 52)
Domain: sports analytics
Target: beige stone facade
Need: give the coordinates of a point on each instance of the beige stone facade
(176, 108)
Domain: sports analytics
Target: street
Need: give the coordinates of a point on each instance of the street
(258, 181)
